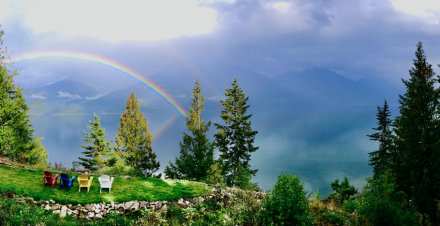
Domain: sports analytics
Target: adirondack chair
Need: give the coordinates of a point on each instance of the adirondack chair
(65, 182)
(48, 179)
(105, 182)
(84, 182)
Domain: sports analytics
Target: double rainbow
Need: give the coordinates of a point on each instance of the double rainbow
(105, 62)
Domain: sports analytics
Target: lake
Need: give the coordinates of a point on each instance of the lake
(318, 144)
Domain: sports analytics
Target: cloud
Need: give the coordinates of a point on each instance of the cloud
(33, 96)
(95, 97)
(68, 95)
(117, 21)
(216, 98)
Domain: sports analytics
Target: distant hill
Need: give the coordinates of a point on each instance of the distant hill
(326, 88)
(312, 87)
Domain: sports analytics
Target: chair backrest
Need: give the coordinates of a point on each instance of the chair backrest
(105, 177)
(48, 176)
(65, 178)
(83, 177)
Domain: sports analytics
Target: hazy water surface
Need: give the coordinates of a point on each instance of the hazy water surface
(320, 145)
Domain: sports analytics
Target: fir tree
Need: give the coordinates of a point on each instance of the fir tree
(235, 139)
(196, 153)
(16, 136)
(99, 149)
(134, 140)
(416, 153)
(380, 159)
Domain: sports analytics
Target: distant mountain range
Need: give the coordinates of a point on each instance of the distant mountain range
(312, 87)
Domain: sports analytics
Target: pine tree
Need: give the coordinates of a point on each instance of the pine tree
(196, 153)
(380, 159)
(416, 153)
(16, 136)
(134, 140)
(235, 140)
(98, 150)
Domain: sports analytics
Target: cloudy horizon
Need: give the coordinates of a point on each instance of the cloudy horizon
(356, 39)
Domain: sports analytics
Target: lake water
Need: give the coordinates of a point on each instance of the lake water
(318, 144)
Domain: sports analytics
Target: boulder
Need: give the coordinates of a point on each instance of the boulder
(51, 201)
(113, 204)
(47, 207)
(128, 205)
(135, 206)
(91, 215)
(88, 207)
(69, 205)
(125, 177)
(56, 207)
(56, 211)
(98, 216)
(63, 211)
(85, 171)
(97, 210)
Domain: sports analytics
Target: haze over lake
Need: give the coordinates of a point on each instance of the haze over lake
(318, 144)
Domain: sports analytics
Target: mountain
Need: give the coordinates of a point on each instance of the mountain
(383, 89)
(326, 88)
(65, 96)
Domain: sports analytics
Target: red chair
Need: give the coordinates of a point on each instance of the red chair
(48, 179)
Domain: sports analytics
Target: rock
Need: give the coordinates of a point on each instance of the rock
(98, 216)
(97, 210)
(88, 207)
(69, 212)
(164, 202)
(125, 177)
(69, 205)
(21, 199)
(51, 201)
(142, 204)
(91, 215)
(135, 206)
(85, 211)
(85, 171)
(160, 204)
(57, 172)
(128, 205)
(47, 202)
(56, 207)
(56, 211)
(113, 204)
(76, 212)
(63, 211)
(81, 215)
(47, 207)
(214, 190)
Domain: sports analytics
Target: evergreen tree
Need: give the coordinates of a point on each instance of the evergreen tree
(416, 153)
(134, 140)
(344, 189)
(380, 159)
(98, 150)
(16, 136)
(235, 139)
(196, 153)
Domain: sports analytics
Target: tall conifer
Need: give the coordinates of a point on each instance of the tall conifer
(416, 154)
(380, 159)
(16, 136)
(99, 149)
(134, 140)
(235, 139)
(196, 153)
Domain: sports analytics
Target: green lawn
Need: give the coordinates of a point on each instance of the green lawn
(30, 183)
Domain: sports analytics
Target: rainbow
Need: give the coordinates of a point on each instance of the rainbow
(105, 62)
(158, 132)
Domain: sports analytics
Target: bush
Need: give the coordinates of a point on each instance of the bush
(382, 204)
(351, 206)
(287, 203)
(345, 190)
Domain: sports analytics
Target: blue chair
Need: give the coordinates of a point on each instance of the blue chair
(65, 182)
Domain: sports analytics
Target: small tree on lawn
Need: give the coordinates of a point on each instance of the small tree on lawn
(99, 149)
(134, 140)
(196, 153)
(235, 139)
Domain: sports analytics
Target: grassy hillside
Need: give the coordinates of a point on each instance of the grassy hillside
(30, 183)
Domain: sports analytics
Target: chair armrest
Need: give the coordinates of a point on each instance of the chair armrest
(91, 178)
(99, 179)
(56, 176)
(73, 177)
(111, 180)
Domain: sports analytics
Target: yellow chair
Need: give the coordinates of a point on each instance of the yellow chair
(84, 182)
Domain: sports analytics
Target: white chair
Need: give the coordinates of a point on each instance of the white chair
(105, 182)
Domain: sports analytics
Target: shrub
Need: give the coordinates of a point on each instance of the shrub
(382, 204)
(332, 217)
(351, 206)
(345, 190)
(287, 203)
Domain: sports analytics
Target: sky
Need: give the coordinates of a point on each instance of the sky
(354, 38)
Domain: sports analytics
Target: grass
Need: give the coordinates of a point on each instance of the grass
(30, 183)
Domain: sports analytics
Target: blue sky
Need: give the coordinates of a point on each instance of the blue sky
(355, 38)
